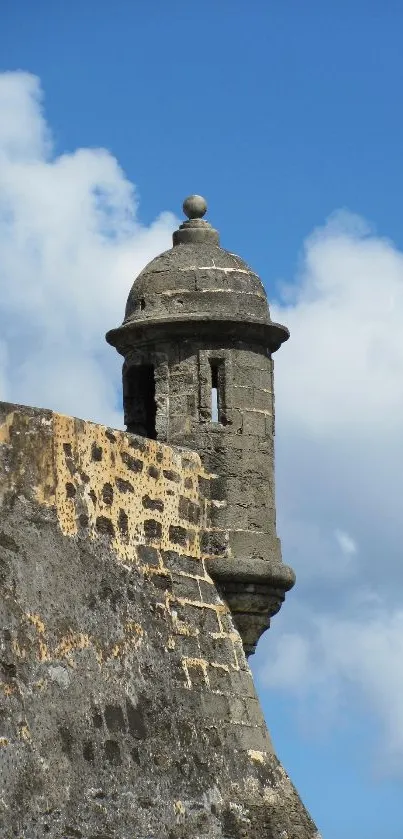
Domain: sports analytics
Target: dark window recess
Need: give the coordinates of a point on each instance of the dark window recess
(139, 401)
(217, 390)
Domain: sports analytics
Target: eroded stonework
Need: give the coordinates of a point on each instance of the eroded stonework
(128, 710)
(198, 342)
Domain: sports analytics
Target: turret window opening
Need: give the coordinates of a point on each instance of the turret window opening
(140, 401)
(217, 390)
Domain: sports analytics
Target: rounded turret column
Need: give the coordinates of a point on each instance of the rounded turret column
(198, 341)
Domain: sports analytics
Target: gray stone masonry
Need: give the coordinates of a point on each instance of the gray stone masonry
(197, 327)
(127, 707)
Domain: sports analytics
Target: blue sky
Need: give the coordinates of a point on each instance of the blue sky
(288, 117)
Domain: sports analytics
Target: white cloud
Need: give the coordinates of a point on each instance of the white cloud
(339, 399)
(331, 662)
(342, 368)
(345, 542)
(23, 131)
(70, 246)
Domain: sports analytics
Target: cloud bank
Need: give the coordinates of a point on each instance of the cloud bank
(339, 395)
(71, 244)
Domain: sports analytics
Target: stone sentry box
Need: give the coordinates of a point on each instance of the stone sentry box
(197, 341)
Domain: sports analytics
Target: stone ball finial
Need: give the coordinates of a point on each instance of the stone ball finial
(194, 206)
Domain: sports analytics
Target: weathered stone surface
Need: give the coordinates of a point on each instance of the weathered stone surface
(198, 339)
(127, 708)
(203, 273)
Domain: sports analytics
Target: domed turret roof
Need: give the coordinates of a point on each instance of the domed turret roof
(197, 280)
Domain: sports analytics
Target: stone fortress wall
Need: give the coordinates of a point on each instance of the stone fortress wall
(127, 707)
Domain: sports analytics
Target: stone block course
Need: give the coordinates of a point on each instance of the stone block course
(253, 377)
(242, 397)
(254, 423)
(262, 400)
(224, 515)
(185, 587)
